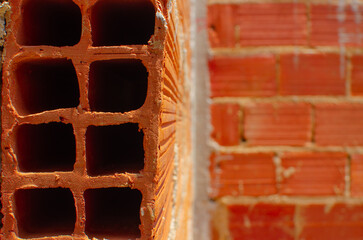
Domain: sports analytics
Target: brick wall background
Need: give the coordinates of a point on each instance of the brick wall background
(287, 113)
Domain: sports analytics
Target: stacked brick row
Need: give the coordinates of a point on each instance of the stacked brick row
(287, 116)
(85, 120)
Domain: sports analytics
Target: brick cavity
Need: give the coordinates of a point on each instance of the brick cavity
(45, 212)
(127, 22)
(113, 213)
(114, 149)
(45, 84)
(45, 147)
(117, 85)
(55, 23)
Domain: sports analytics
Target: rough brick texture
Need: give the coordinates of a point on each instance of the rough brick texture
(226, 121)
(243, 76)
(277, 124)
(242, 174)
(357, 175)
(313, 173)
(339, 124)
(336, 24)
(312, 74)
(357, 75)
(257, 24)
(261, 220)
(95, 114)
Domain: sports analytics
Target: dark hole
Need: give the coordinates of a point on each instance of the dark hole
(127, 22)
(55, 23)
(45, 212)
(117, 85)
(45, 147)
(114, 149)
(113, 213)
(45, 84)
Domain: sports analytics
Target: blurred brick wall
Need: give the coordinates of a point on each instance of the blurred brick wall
(287, 113)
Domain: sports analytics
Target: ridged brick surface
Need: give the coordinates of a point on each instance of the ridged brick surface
(313, 173)
(243, 76)
(226, 121)
(242, 174)
(277, 124)
(339, 124)
(257, 24)
(312, 74)
(93, 100)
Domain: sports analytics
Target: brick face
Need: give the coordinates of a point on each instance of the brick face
(339, 124)
(357, 175)
(242, 174)
(312, 74)
(336, 25)
(257, 24)
(262, 221)
(339, 221)
(243, 76)
(357, 75)
(225, 122)
(277, 124)
(313, 173)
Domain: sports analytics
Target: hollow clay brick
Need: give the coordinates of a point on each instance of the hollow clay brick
(157, 120)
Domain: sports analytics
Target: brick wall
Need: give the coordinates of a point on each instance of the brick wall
(287, 113)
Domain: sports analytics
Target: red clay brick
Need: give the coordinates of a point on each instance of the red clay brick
(225, 122)
(277, 124)
(243, 76)
(242, 174)
(313, 173)
(262, 221)
(357, 175)
(357, 75)
(339, 124)
(336, 25)
(221, 25)
(312, 74)
(257, 24)
(326, 222)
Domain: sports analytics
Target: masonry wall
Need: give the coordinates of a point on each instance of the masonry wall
(287, 114)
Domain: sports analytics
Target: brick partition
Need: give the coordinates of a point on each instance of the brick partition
(287, 116)
(94, 95)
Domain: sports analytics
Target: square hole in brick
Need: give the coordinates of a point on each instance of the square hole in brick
(127, 22)
(113, 213)
(45, 84)
(45, 147)
(117, 85)
(114, 149)
(45, 212)
(45, 22)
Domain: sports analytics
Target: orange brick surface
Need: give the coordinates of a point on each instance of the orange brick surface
(357, 175)
(258, 221)
(313, 173)
(339, 124)
(357, 75)
(226, 121)
(244, 76)
(312, 74)
(242, 174)
(339, 221)
(277, 124)
(257, 24)
(336, 25)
